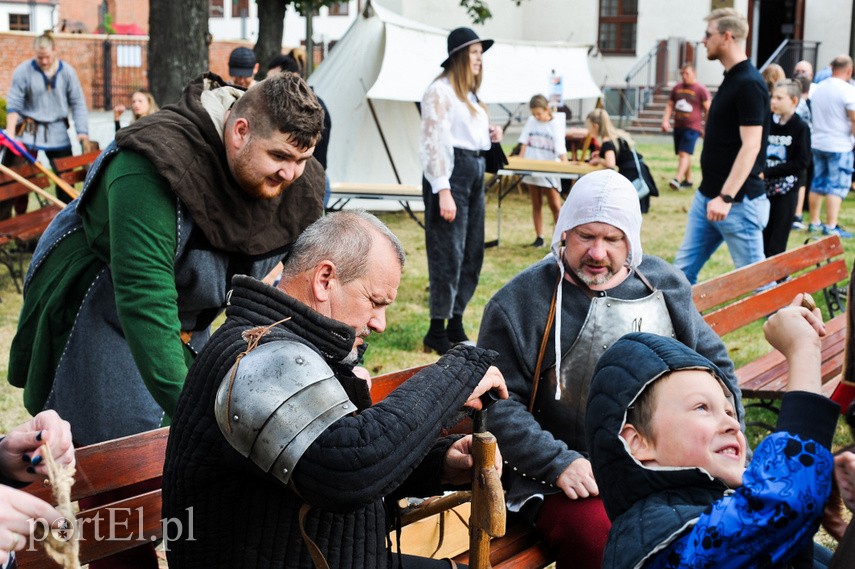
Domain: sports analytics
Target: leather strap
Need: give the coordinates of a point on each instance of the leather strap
(550, 319)
(317, 557)
(644, 280)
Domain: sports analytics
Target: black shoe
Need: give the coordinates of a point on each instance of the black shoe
(538, 242)
(686, 185)
(459, 337)
(456, 333)
(436, 342)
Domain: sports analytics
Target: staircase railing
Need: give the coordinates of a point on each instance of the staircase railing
(790, 52)
(641, 82)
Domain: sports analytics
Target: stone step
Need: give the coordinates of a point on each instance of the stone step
(649, 118)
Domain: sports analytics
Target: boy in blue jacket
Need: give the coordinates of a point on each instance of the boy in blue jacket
(669, 457)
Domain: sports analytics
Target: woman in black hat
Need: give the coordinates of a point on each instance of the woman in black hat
(455, 135)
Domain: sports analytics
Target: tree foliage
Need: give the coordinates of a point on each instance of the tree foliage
(479, 10)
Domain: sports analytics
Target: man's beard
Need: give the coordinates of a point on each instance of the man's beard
(250, 181)
(594, 280)
(352, 358)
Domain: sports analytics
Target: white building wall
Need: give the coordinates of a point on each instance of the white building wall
(828, 22)
(324, 27)
(576, 22)
(42, 16)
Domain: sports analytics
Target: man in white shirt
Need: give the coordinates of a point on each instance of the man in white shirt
(833, 115)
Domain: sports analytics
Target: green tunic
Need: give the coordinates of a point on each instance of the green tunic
(131, 213)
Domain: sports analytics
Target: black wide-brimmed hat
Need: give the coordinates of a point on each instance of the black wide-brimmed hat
(460, 38)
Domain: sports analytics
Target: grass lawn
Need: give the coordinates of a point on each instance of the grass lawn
(401, 345)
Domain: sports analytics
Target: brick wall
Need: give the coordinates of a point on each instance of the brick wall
(84, 53)
(130, 12)
(218, 56)
(83, 11)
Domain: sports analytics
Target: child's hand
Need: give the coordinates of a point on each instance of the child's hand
(795, 332)
(794, 327)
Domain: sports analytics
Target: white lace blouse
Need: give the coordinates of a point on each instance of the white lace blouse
(447, 123)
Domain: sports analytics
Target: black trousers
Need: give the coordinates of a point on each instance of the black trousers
(782, 208)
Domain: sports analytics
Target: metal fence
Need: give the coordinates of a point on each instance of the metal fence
(790, 52)
(120, 69)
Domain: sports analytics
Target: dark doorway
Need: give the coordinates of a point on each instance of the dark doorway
(777, 20)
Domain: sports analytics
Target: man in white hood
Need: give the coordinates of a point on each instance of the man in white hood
(594, 287)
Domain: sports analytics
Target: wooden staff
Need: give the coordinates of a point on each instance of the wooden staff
(21, 151)
(60, 183)
(488, 499)
(31, 186)
(435, 505)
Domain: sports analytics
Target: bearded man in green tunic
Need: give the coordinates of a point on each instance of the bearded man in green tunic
(126, 281)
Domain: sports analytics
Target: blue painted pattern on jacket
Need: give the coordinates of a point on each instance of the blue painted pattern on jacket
(763, 523)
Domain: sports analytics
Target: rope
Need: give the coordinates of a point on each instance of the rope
(61, 544)
(252, 337)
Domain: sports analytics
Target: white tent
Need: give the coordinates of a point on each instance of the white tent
(381, 67)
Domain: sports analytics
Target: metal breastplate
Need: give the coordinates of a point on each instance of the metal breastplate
(608, 319)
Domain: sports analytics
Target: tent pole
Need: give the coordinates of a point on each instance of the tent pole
(383, 138)
(405, 205)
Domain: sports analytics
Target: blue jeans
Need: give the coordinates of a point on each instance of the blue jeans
(742, 230)
(832, 173)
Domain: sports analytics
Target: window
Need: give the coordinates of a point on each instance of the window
(240, 8)
(215, 9)
(339, 9)
(19, 22)
(618, 25)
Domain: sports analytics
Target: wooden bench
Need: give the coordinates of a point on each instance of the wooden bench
(73, 169)
(103, 469)
(733, 300)
(522, 546)
(126, 464)
(342, 193)
(19, 231)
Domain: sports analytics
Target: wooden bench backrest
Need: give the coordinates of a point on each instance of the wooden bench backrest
(103, 468)
(383, 385)
(723, 299)
(11, 188)
(73, 169)
(120, 463)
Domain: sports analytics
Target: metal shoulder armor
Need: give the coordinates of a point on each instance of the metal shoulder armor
(282, 397)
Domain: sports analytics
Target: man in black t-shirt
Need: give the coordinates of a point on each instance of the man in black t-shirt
(730, 205)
